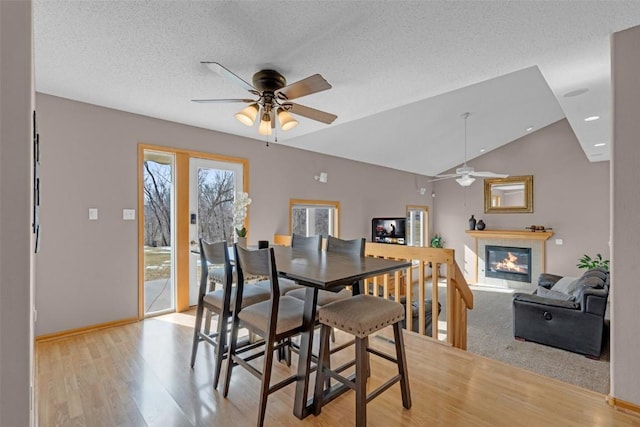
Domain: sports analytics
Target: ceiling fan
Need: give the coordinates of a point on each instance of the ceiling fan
(274, 96)
(465, 174)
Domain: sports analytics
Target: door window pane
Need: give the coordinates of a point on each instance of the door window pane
(158, 232)
(216, 190)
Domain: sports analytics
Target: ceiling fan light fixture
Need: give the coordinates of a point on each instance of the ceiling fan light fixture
(286, 120)
(247, 116)
(265, 125)
(465, 180)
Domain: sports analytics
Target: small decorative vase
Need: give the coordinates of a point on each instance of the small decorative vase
(472, 223)
(242, 242)
(480, 225)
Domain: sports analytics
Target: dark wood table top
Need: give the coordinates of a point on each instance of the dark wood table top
(326, 270)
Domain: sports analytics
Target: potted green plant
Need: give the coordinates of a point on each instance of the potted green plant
(589, 263)
(437, 241)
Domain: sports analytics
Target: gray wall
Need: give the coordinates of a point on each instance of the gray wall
(625, 290)
(570, 195)
(16, 255)
(88, 269)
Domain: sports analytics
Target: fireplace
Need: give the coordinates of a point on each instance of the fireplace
(509, 263)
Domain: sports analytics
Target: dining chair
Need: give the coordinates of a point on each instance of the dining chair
(312, 243)
(276, 320)
(353, 247)
(302, 242)
(220, 302)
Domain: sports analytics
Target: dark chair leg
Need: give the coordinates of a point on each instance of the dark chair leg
(223, 319)
(266, 379)
(323, 362)
(367, 362)
(402, 365)
(361, 382)
(207, 322)
(233, 343)
(196, 334)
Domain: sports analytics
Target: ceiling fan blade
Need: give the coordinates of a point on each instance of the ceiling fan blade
(311, 84)
(442, 177)
(489, 174)
(229, 75)
(447, 175)
(310, 113)
(213, 101)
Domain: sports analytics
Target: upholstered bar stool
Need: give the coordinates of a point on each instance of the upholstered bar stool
(361, 316)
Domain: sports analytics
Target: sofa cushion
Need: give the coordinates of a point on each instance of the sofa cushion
(566, 285)
(596, 272)
(590, 282)
(551, 294)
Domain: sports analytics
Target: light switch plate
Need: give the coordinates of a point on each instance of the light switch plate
(93, 214)
(559, 241)
(128, 214)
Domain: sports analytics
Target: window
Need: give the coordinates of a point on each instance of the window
(311, 217)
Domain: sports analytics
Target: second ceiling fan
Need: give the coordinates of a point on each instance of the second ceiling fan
(273, 98)
(465, 174)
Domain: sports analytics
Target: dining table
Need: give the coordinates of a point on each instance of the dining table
(322, 270)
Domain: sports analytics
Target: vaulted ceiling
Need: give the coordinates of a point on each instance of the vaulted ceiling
(402, 72)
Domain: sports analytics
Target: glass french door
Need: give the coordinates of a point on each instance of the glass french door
(158, 178)
(213, 185)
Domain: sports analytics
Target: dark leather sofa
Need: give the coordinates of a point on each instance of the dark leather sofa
(570, 318)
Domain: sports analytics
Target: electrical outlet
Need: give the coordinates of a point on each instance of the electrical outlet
(559, 241)
(93, 214)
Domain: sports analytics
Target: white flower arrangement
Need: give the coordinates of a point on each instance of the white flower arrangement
(240, 204)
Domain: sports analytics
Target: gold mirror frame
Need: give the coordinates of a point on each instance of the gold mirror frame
(490, 206)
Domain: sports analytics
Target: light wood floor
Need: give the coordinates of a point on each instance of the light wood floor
(139, 375)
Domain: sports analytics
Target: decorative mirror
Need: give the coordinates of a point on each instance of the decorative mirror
(508, 195)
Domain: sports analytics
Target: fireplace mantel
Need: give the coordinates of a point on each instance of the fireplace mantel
(540, 236)
(510, 234)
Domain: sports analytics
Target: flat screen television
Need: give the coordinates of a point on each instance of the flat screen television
(389, 230)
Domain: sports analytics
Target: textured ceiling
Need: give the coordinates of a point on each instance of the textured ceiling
(402, 72)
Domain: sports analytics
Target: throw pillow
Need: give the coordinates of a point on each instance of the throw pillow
(566, 285)
(551, 294)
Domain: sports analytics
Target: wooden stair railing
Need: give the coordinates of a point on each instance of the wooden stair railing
(459, 295)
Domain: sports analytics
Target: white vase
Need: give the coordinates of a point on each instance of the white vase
(241, 241)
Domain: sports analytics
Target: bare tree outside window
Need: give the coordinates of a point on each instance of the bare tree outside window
(157, 203)
(309, 220)
(215, 204)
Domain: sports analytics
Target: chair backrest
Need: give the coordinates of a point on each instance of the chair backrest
(259, 262)
(214, 254)
(347, 247)
(313, 243)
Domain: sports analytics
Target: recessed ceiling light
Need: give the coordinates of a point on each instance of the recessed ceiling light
(576, 92)
(591, 118)
(600, 144)
(482, 150)
(529, 129)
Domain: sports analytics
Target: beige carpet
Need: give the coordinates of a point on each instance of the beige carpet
(490, 334)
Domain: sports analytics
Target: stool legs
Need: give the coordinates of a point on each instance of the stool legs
(361, 372)
(361, 381)
(402, 365)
